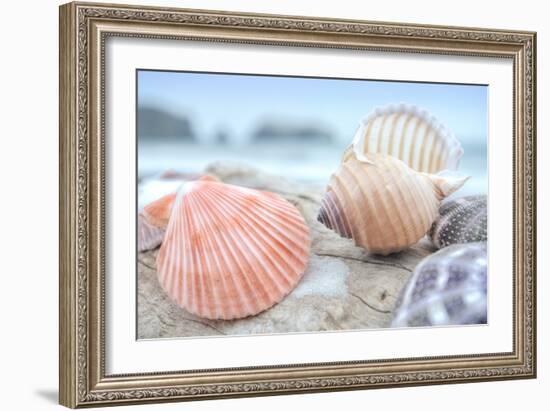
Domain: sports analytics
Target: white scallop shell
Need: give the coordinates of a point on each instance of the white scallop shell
(409, 134)
(230, 252)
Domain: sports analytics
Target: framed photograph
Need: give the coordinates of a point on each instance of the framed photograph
(259, 204)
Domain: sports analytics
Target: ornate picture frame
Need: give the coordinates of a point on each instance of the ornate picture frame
(84, 29)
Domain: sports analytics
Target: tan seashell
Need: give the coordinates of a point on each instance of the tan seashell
(230, 252)
(409, 134)
(383, 204)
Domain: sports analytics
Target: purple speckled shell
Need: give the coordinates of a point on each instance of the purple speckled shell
(448, 287)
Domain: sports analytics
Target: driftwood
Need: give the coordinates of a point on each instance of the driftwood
(343, 288)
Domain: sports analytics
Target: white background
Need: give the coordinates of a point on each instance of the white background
(28, 170)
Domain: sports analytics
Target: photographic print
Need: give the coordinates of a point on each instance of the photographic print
(281, 187)
(277, 204)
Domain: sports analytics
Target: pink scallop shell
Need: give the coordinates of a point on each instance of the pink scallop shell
(231, 252)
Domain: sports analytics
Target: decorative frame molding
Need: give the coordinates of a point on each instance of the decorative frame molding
(83, 30)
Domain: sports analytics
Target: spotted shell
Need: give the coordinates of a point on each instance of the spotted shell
(448, 287)
(381, 203)
(409, 134)
(230, 252)
(461, 220)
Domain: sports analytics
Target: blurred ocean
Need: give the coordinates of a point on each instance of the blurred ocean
(310, 162)
(295, 127)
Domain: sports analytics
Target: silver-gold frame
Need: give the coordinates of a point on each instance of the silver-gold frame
(84, 28)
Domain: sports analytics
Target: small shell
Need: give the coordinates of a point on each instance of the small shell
(158, 212)
(152, 221)
(409, 134)
(448, 287)
(462, 220)
(381, 203)
(230, 252)
(149, 236)
(150, 233)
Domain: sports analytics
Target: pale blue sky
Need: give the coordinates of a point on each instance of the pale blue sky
(238, 102)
